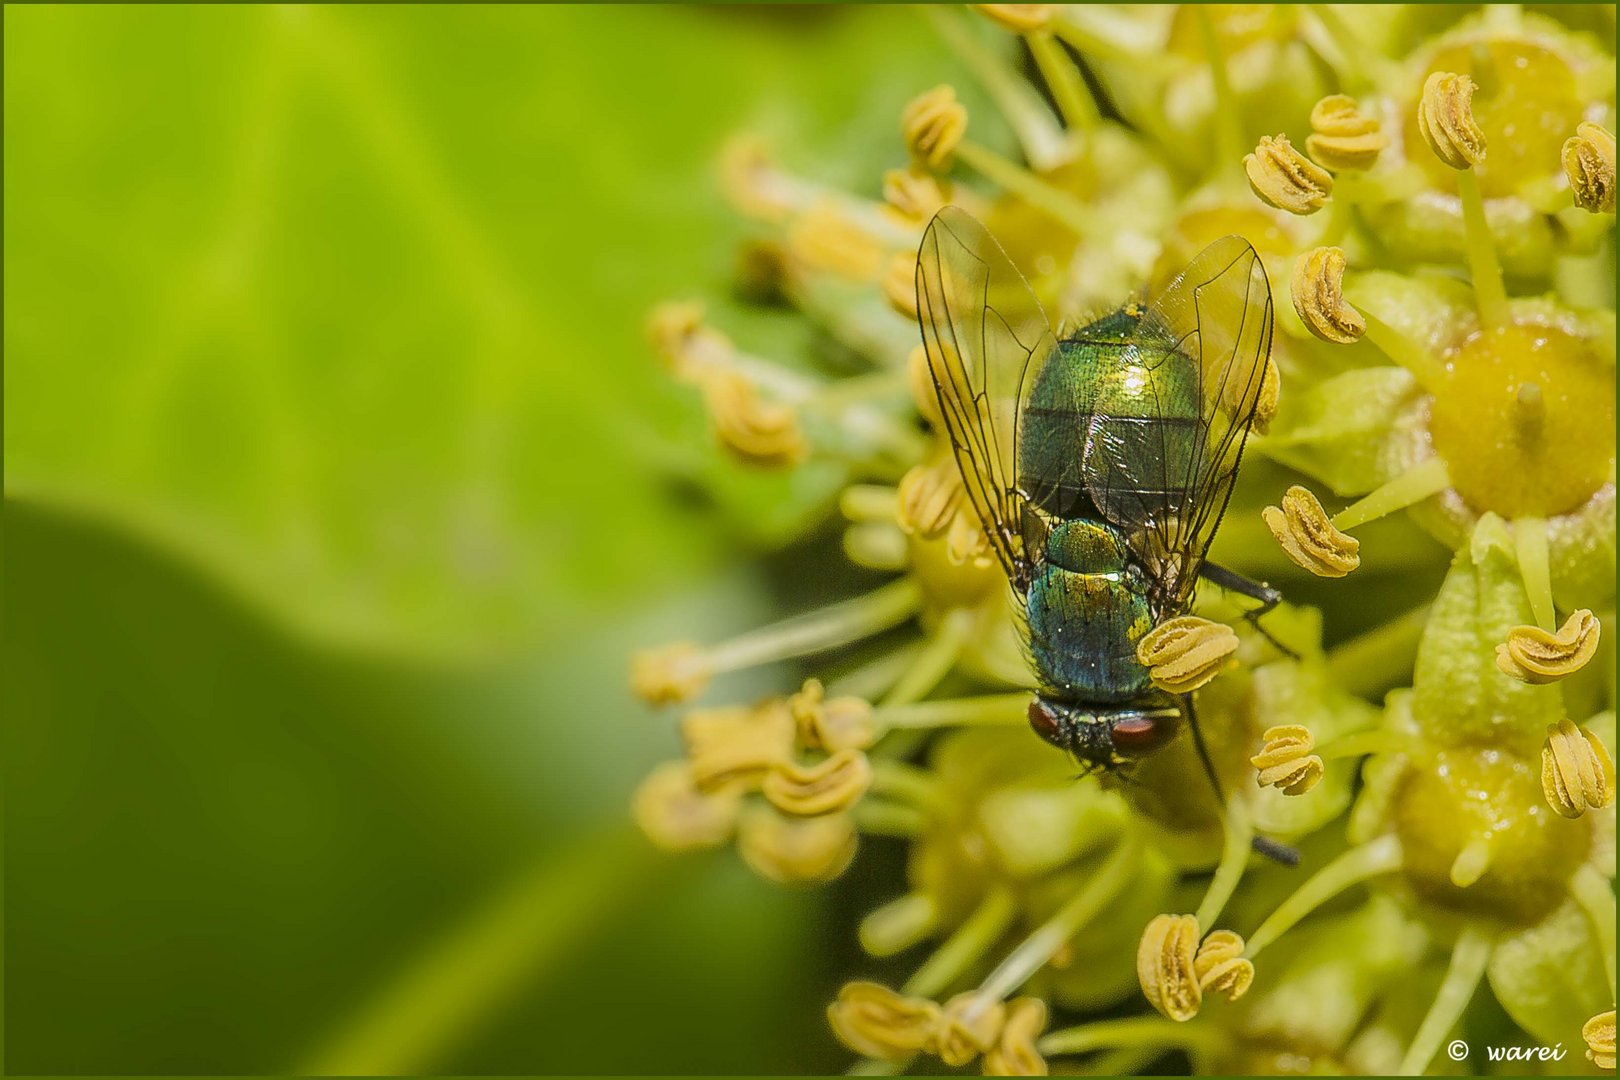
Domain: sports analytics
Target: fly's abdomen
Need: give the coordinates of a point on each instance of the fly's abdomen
(1087, 610)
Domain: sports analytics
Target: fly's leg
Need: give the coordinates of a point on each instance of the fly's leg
(1191, 716)
(1269, 598)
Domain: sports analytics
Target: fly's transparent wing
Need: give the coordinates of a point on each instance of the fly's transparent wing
(984, 333)
(1167, 434)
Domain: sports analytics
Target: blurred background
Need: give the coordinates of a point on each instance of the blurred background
(340, 484)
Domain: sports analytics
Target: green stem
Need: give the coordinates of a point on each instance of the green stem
(1489, 292)
(991, 709)
(1530, 545)
(1043, 144)
(1468, 959)
(907, 783)
(1129, 1032)
(1360, 744)
(1410, 355)
(1229, 871)
(934, 661)
(1381, 856)
(828, 628)
(1020, 181)
(971, 941)
(1228, 116)
(1068, 88)
(1422, 480)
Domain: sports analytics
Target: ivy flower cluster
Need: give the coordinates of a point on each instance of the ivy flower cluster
(1433, 190)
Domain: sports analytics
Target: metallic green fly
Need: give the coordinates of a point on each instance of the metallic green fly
(1100, 462)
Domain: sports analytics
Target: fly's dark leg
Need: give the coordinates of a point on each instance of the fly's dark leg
(1191, 716)
(1269, 598)
(1276, 851)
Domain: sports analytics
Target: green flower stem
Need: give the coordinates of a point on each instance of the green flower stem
(1360, 744)
(1366, 66)
(1489, 292)
(899, 924)
(840, 624)
(1227, 117)
(1239, 832)
(1025, 184)
(1595, 896)
(874, 678)
(1381, 657)
(1038, 133)
(935, 661)
(972, 940)
(1468, 959)
(1381, 856)
(1037, 949)
(1412, 486)
(1136, 1031)
(991, 709)
(1409, 354)
(880, 817)
(906, 783)
(861, 503)
(1068, 88)
(1530, 545)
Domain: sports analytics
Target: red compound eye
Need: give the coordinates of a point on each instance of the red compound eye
(1139, 735)
(1044, 721)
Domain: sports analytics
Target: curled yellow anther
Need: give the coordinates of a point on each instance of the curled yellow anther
(1015, 1053)
(1589, 164)
(1265, 405)
(844, 723)
(929, 497)
(933, 123)
(876, 1022)
(736, 746)
(1302, 527)
(1317, 287)
(1165, 966)
(684, 341)
(758, 432)
(835, 783)
(1283, 177)
(965, 542)
(1019, 18)
(913, 195)
(1532, 655)
(1598, 1034)
(920, 380)
(1446, 120)
(790, 849)
(826, 238)
(969, 1026)
(1286, 761)
(677, 816)
(751, 180)
(1184, 653)
(900, 283)
(1220, 965)
(670, 673)
(1343, 138)
(1577, 773)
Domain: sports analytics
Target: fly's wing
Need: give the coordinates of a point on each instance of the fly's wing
(1164, 470)
(984, 332)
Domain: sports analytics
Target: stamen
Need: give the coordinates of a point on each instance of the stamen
(877, 547)
(875, 1021)
(1409, 354)
(899, 924)
(844, 723)
(1149, 1031)
(1039, 136)
(935, 661)
(1317, 289)
(969, 1028)
(839, 624)
(1535, 656)
(1372, 859)
(1238, 832)
(1069, 90)
(1164, 966)
(992, 709)
(1301, 527)
(862, 503)
(1015, 1052)
(1363, 65)
(912, 196)
(1184, 653)
(1427, 478)
(989, 921)
(1343, 139)
(1286, 761)
(676, 816)
(736, 747)
(1577, 773)
(921, 381)
(672, 673)
(761, 433)
(1286, 179)
(1468, 959)
(1028, 186)
(1598, 1034)
(786, 850)
(929, 496)
(1535, 566)
(1446, 121)
(1589, 164)
(933, 124)
(826, 238)
(833, 784)
(900, 283)
(1220, 965)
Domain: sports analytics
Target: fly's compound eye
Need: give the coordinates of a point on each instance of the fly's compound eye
(1138, 736)
(1045, 722)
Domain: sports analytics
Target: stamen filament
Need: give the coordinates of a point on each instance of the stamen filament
(1489, 292)
(871, 679)
(935, 661)
(1468, 959)
(1038, 134)
(899, 924)
(840, 624)
(1409, 354)
(1592, 891)
(1381, 657)
(879, 817)
(907, 783)
(1020, 181)
(993, 709)
(1228, 116)
(1360, 744)
(1366, 66)
(1380, 856)
(1127, 1032)
(861, 503)
(876, 547)
(1234, 860)
(1039, 948)
(1530, 544)
(1068, 88)
(1412, 486)
(972, 939)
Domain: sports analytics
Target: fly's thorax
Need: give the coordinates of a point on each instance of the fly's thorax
(1086, 547)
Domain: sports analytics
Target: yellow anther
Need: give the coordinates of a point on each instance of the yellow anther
(921, 382)
(826, 238)
(750, 180)
(1220, 966)
(1598, 1033)
(933, 124)
(736, 747)
(1283, 177)
(1317, 287)
(681, 337)
(1302, 527)
(785, 849)
(1184, 653)
(1589, 163)
(1577, 773)
(757, 432)
(1446, 120)
(1343, 138)
(844, 723)
(968, 1028)
(1286, 761)
(876, 1022)
(912, 195)
(835, 783)
(965, 542)
(1165, 966)
(1532, 655)
(1265, 405)
(676, 816)
(670, 673)
(929, 497)
(900, 283)
(1015, 1053)
(1019, 18)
